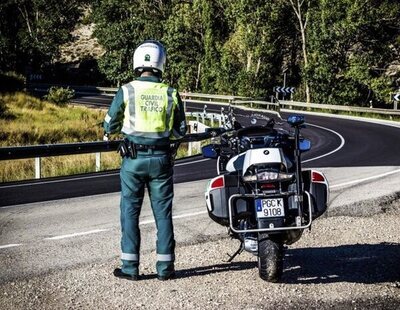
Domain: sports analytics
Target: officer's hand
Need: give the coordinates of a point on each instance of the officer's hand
(105, 137)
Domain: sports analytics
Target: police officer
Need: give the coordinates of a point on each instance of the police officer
(150, 115)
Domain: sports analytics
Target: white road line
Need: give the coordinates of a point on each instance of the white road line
(184, 164)
(92, 177)
(331, 152)
(192, 162)
(63, 180)
(176, 217)
(204, 212)
(185, 215)
(365, 179)
(103, 230)
(10, 245)
(76, 234)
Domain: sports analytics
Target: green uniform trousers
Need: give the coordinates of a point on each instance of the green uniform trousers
(152, 169)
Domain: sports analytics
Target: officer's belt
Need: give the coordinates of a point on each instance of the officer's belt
(145, 147)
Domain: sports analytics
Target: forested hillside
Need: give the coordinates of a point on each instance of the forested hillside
(333, 51)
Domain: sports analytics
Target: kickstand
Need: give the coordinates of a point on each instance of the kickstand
(240, 250)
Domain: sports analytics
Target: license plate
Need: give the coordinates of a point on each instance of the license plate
(271, 207)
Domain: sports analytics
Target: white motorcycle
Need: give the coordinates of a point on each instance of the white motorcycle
(261, 192)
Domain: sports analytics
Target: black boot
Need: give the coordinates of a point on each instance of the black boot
(167, 277)
(119, 274)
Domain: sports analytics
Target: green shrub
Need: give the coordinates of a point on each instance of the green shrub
(60, 95)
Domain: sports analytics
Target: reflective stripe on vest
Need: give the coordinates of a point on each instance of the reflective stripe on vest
(149, 109)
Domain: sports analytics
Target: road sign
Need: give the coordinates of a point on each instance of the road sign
(286, 90)
(396, 97)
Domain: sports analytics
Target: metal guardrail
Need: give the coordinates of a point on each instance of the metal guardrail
(98, 147)
(60, 149)
(81, 90)
(228, 99)
(46, 150)
(330, 107)
(10, 153)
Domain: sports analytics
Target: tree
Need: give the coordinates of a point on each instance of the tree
(32, 31)
(214, 32)
(301, 10)
(120, 25)
(183, 38)
(258, 48)
(353, 43)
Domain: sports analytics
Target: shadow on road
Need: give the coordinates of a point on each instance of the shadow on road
(358, 263)
(205, 270)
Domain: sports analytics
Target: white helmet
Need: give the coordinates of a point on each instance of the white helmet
(150, 55)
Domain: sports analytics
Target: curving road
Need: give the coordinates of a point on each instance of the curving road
(53, 237)
(361, 143)
(335, 143)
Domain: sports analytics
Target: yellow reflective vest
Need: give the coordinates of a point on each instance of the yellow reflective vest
(149, 109)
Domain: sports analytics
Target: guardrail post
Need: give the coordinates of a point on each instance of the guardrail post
(38, 167)
(98, 161)
(204, 115)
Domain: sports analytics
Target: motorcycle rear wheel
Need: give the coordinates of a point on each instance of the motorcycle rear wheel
(270, 258)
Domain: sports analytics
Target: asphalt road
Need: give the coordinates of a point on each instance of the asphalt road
(336, 142)
(48, 239)
(48, 236)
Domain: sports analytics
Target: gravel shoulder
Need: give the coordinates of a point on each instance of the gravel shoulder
(344, 262)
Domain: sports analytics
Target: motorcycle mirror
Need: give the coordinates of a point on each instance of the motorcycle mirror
(304, 145)
(295, 120)
(209, 151)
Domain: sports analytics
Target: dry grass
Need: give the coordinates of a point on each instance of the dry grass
(30, 121)
(27, 120)
(23, 169)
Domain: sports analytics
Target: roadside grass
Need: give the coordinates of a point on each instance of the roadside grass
(29, 121)
(26, 120)
(24, 169)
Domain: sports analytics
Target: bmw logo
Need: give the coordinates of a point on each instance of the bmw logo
(266, 152)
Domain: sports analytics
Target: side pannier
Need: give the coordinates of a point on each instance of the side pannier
(317, 185)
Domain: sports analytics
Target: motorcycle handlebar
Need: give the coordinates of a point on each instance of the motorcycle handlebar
(210, 133)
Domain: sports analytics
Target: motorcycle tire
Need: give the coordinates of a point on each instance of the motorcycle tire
(270, 258)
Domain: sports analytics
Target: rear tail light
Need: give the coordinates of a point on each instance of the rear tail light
(268, 186)
(218, 182)
(317, 177)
